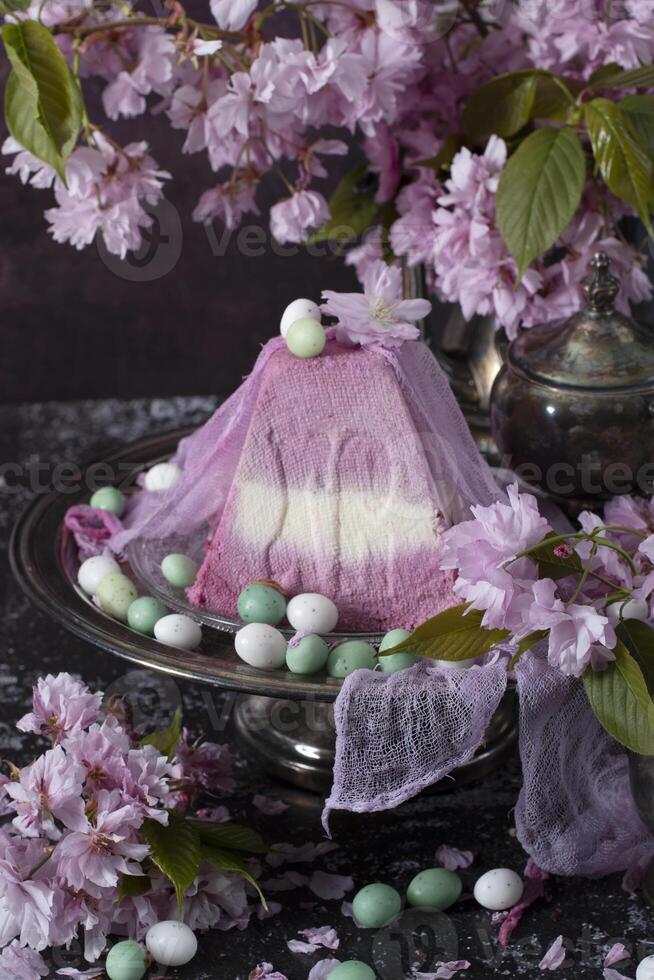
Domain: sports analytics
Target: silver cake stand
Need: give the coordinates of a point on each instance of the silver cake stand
(284, 719)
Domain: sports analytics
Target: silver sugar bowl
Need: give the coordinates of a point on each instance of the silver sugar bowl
(572, 409)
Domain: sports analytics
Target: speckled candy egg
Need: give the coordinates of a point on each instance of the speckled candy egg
(109, 498)
(645, 969)
(177, 630)
(376, 905)
(93, 570)
(352, 970)
(261, 646)
(171, 943)
(396, 661)
(144, 614)
(306, 338)
(179, 570)
(116, 593)
(126, 961)
(162, 477)
(312, 613)
(499, 889)
(299, 309)
(434, 888)
(350, 656)
(309, 656)
(261, 603)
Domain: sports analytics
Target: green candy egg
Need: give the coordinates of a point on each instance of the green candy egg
(306, 338)
(349, 656)
(376, 905)
(260, 603)
(144, 613)
(116, 593)
(352, 970)
(179, 570)
(434, 888)
(396, 661)
(393, 638)
(109, 498)
(309, 656)
(126, 961)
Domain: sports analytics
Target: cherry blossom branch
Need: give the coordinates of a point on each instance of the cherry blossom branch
(81, 30)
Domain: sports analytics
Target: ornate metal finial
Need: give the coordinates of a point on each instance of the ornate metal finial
(600, 287)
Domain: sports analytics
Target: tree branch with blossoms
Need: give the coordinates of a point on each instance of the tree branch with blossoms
(581, 599)
(498, 151)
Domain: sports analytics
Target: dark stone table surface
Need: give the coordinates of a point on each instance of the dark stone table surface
(591, 915)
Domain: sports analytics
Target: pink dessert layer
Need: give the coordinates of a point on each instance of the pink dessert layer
(332, 494)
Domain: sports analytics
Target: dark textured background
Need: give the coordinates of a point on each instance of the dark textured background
(72, 327)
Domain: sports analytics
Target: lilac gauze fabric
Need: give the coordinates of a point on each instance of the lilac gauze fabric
(398, 733)
(575, 814)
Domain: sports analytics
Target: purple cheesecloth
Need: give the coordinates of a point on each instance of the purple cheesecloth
(398, 733)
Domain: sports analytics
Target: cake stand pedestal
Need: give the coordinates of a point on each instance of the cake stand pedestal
(285, 720)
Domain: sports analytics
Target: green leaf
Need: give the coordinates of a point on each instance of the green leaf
(623, 163)
(166, 739)
(445, 155)
(539, 192)
(602, 73)
(43, 105)
(226, 860)
(501, 107)
(526, 644)
(621, 702)
(555, 566)
(455, 634)
(353, 209)
(638, 110)
(551, 100)
(11, 6)
(133, 886)
(639, 640)
(175, 849)
(642, 77)
(230, 835)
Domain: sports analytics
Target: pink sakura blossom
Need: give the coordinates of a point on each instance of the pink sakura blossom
(554, 957)
(291, 854)
(453, 859)
(627, 511)
(293, 218)
(329, 886)
(609, 974)
(534, 878)
(383, 151)
(646, 547)
(48, 790)
(104, 848)
(21, 963)
(444, 971)
(296, 946)
(61, 704)
(232, 15)
(380, 317)
(25, 896)
(270, 807)
(324, 936)
(607, 561)
(227, 203)
(152, 52)
(265, 971)
(322, 969)
(616, 954)
(204, 766)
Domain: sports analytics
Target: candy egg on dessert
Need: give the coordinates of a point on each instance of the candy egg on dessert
(299, 309)
(93, 570)
(177, 630)
(171, 943)
(349, 656)
(499, 889)
(116, 593)
(162, 477)
(308, 656)
(261, 602)
(396, 661)
(306, 338)
(110, 499)
(312, 613)
(144, 614)
(179, 570)
(261, 646)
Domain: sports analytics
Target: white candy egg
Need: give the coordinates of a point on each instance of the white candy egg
(171, 943)
(162, 477)
(499, 889)
(261, 646)
(312, 613)
(645, 969)
(177, 630)
(93, 570)
(454, 664)
(299, 309)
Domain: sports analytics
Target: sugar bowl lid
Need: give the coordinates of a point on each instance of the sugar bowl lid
(596, 348)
